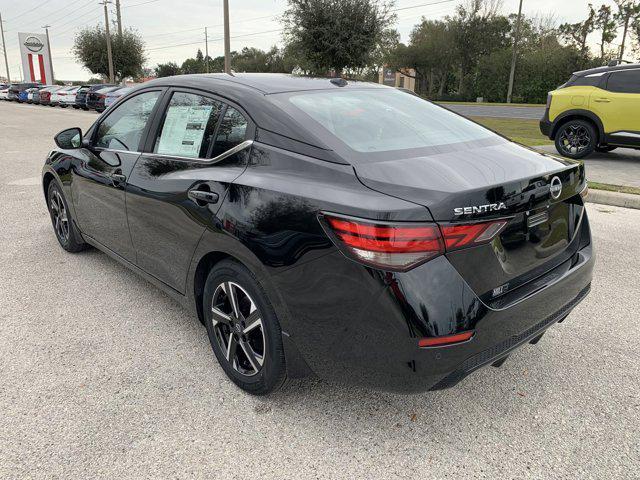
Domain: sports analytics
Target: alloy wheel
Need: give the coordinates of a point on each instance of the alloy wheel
(575, 139)
(238, 328)
(60, 217)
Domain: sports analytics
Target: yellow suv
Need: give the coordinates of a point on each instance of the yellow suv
(597, 109)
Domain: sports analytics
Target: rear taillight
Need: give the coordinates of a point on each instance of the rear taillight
(391, 246)
(402, 246)
(585, 191)
(457, 236)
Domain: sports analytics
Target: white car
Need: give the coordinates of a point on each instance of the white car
(67, 96)
(3, 93)
(56, 95)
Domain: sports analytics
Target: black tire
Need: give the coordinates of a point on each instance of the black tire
(576, 139)
(231, 336)
(608, 148)
(68, 237)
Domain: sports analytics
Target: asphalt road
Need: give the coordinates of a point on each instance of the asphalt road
(531, 113)
(103, 376)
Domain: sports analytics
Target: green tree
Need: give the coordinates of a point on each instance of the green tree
(628, 14)
(167, 69)
(337, 34)
(577, 33)
(606, 25)
(90, 49)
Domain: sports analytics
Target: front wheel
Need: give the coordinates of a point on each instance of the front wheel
(66, 232)
(576, 139)
(243, 329)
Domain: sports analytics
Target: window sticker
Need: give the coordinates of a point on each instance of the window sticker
(183, 130)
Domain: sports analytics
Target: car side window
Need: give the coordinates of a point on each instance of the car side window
(232, 132)
(624, 81)
(189, 126)
(123, 128)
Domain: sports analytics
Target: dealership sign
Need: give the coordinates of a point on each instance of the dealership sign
(36, 63)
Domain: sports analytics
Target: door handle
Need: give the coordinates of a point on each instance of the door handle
(201, 197)
(602, 100)
(118, 177)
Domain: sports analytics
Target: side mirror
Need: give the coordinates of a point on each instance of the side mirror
(69, 139)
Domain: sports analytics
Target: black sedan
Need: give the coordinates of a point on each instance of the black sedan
(328, 226)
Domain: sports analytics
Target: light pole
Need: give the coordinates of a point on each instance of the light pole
(514, 57)
(4, 46)
(46, 29)
(206, 50)
(109, 53)
(227, 41)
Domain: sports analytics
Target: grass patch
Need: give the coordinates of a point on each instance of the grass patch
(497, 104)
(524, 131)
(614, 188)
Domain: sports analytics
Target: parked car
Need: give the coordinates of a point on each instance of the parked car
(56, 95)
(23, 96)
(35, 95)
(328, 226)
(596, 110)
(83, 92)
(16, 88)
(31, 94)
(95, 99)
(4, 92)
(114, 95)
(47, 93)
(68, 97)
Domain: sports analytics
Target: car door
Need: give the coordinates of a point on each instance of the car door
(177, 186)
(618, 106)
(102, 169)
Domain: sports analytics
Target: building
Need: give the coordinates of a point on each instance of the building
(405, 78)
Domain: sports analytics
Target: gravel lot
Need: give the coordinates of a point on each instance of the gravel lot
(103, 376)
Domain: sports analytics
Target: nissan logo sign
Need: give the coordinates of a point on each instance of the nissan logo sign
(33, 44)
(555, 188)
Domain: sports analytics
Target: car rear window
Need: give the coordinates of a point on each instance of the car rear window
(380, 120)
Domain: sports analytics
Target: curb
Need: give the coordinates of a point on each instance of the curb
(616, 199)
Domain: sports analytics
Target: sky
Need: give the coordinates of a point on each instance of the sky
(174, 30)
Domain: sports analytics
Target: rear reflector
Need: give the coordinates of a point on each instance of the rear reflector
(401, 246)
(585, 191)
(445, 340)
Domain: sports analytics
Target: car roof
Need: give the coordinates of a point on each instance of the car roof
(266, 83)
(628, 66)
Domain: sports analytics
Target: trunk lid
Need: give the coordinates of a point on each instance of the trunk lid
(538, 194)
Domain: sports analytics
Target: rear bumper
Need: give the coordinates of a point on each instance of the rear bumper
(365, 330)
(546, 126)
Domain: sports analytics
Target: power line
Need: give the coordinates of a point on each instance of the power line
(215, 39)
(53, 19)
(29, 11)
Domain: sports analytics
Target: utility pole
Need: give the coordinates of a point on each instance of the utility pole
(514, 57)
(4, 46)
(206, 50)
(46, 29)
(227, 41)
(109, 53)
(119, 18)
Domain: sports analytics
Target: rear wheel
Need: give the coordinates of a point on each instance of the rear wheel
(63, 226)
(576, 139)
(243, 329)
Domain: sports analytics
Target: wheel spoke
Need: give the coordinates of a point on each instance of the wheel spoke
(219, 316)
(232, 346)
(233, 299)
(251, 356)
(253, 321)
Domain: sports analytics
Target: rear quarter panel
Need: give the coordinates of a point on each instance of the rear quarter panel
(570, 98)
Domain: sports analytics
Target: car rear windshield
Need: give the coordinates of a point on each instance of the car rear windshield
(381, 120)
